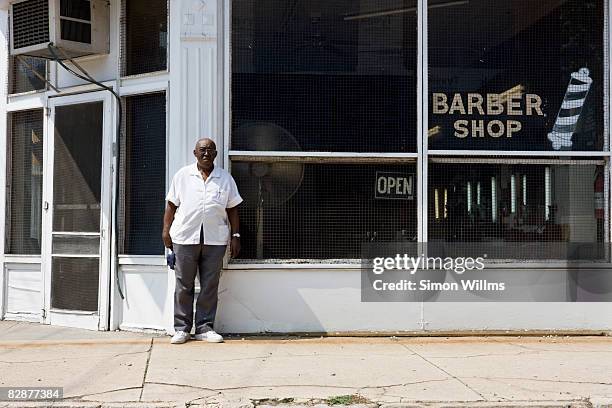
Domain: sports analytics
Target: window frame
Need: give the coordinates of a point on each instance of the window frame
(122, 230)
(423, 156)
(12, 60)
(122, 41)
(9, 183)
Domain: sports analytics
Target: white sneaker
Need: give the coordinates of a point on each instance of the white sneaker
(180, 337)
(210, 336)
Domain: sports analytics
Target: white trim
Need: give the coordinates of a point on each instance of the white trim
(513, 160)
(24, 103)
(423, 119)
(77, 234)
(144, 260)
(129, 88)
(227, 81)
(226, 11)
(54, 255)
(357, 267)
(23, 317)
(4, 136)
(550, 153)
(294, 266)
(301, 154)
(22, 259)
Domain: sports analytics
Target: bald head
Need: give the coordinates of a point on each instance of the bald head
(206, 142)
(205, 152)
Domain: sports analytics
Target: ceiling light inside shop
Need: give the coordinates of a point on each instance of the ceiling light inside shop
(391, 12)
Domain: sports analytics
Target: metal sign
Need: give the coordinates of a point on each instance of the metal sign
(394, 186)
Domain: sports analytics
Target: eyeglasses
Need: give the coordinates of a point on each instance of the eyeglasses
(206, 150)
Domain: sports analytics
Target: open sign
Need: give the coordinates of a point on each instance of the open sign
(395, 186)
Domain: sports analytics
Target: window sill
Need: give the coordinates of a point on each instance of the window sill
(154, 260)
(350, 264)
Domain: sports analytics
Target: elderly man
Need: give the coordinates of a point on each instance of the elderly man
(201, 201)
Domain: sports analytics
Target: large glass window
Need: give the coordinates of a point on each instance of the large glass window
(24, 183)
(143, 175)
(524, 78)
(324, 111)
(145, 36)
(522, 201)
(516, 75)
(323, 211)
(338, 77)
(331, 75)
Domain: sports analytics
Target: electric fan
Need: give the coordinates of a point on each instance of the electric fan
(269, 183)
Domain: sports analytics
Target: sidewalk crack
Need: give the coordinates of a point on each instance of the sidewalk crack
(444, 371)
(144, 376)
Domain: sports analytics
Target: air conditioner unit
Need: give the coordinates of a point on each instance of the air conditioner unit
(77, 27)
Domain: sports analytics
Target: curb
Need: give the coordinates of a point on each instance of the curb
(459, 404)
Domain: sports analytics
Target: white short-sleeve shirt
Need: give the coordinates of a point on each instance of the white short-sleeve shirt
(202, 203)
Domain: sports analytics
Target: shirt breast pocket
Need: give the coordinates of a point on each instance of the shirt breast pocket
(218, 195)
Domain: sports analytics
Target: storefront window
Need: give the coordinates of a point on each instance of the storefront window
(556, 201)
(514, 88)
(516, 75)
(336, 76)
(295, 211)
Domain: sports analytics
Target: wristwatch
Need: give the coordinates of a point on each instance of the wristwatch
(236, 235)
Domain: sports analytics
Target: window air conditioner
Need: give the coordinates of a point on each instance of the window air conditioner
(77, 27)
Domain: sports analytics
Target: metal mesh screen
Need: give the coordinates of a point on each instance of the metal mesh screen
(26, 74)
(516, 75)
(77, 167)
(30, 21)
(24, 183)
(74, 283)
(296, 211)
(143, 175)
(334, 76)
(482, 202)
(145, 36)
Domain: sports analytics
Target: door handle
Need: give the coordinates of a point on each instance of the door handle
(46, 206)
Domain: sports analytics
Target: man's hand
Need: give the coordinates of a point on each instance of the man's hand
(168, 218)
(167, 239)
(234, 247)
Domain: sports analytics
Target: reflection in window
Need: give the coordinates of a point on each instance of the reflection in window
(143, 175)
(27, 74)
(145, 40)
(335, 75)
(323, 211)
(516, 74)
(25, 173)
(474, 201)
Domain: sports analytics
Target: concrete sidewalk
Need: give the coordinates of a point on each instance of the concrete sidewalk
(138, 370)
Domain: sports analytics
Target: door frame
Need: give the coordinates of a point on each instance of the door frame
(73, 318)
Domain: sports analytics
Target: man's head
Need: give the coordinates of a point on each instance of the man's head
(205, 152)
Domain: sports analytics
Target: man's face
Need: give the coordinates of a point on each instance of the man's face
(205, 152)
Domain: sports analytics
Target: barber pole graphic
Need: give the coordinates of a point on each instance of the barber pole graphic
(571, 108)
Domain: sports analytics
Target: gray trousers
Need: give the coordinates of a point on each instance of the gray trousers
(191, 259)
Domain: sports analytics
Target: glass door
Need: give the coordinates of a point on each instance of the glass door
(77, 204)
